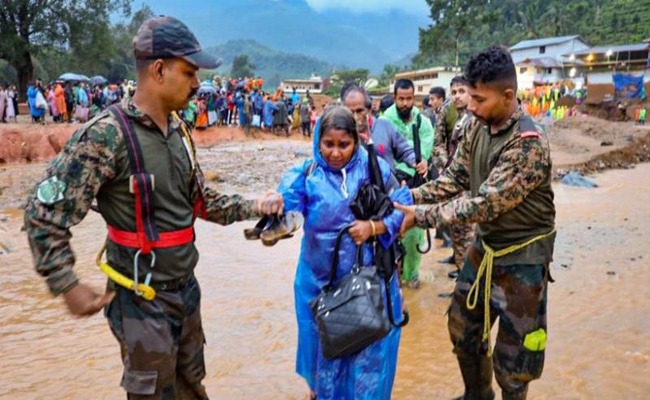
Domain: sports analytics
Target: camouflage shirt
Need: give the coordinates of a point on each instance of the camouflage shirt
(508, 174)
(94, 165)
(446, 117)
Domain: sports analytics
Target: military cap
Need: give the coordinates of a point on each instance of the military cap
(167, 37)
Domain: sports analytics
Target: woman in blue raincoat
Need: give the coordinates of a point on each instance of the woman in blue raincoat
(322, 190)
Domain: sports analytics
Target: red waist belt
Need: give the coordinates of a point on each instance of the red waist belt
(136, 240)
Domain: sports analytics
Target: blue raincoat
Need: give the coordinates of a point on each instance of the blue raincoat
(269, 109)
(31, 100)
(323, 195)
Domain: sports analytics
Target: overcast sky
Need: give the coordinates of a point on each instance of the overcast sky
(416, 7)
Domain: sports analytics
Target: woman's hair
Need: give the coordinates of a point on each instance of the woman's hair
(338, 117)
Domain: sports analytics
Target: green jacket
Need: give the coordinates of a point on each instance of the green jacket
(406, 130)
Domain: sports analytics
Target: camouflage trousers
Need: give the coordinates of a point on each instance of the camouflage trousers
(518, 298)
(461, 238)
(161, 342)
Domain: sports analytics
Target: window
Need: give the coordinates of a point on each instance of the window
(420, 89)
(317, 86)
(523, 70)
(549, 70)
(542, 49)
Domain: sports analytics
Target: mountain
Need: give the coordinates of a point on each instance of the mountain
(272, 64)
(355, 39)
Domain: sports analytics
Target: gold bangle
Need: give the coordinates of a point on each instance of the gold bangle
(372, 225)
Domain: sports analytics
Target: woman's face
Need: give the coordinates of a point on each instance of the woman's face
(336, 147)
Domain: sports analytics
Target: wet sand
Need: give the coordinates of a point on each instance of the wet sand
(599, 331)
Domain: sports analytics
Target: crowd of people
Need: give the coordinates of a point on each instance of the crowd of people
(475, 164)
(73, 101)
(8, 103)
(243, 102)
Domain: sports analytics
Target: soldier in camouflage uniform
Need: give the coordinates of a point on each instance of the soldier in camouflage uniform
(161, 340)
(444, 149)
(504, 161)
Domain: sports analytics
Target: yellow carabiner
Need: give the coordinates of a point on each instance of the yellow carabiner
(146, 291)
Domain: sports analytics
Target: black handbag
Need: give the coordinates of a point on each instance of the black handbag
(350, 315)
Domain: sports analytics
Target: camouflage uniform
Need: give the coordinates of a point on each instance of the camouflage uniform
(446, 117)
(443, 153)
(161, 340)
(508, 174)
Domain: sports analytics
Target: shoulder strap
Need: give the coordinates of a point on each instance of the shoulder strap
(141, 183)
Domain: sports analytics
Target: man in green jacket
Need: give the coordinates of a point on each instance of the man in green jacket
(404, 116)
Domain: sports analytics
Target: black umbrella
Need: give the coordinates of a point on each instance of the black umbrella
(98, 80)
(373, 203)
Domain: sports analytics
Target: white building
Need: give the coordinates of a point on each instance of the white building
(313, 84)
(541, 61)
(554, 47)
(538, 71)
(425, 79)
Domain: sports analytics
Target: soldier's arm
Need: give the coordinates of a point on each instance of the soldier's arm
(62, 199)
(521, 167)
(439, 152)
(453, 180)
(225, 209)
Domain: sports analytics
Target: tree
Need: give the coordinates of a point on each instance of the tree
(241, 67)
(29, 26)
(453, 22)
(388, 72)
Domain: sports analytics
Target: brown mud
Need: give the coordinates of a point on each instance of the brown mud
(599, 333)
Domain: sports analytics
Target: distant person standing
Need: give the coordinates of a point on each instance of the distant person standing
(436, 99)
(305, 117)
(11, 104)
(3, 103)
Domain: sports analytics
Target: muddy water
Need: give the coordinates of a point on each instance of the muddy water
(599, 331)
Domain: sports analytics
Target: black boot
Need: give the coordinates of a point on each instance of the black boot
(515, 395)
(477, 376)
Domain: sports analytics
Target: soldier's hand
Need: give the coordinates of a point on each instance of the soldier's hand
(83, 301)
(422, 168)
(409, 217)
(271, 203)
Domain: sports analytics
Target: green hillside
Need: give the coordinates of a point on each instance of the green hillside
(472, 25)
(271, 64)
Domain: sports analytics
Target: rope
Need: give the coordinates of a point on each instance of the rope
(486, 268)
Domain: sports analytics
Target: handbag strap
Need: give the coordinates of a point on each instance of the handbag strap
(335, 259)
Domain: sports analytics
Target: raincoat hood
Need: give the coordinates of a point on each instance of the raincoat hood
(359, 154)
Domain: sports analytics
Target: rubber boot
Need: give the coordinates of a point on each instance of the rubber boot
(515, 395)
(477, 376)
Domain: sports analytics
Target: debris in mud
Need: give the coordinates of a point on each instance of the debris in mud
(611, 273)
(606, 143)
(574, 178)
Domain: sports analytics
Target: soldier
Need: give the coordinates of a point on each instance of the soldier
(504, 161)
(461, 234)
(137, 159)
(406, 119)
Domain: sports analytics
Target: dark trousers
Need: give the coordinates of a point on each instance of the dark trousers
(518, 299)
(161, 342)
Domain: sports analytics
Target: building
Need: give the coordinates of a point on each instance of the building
(539, 71)
(542, 61)
(554, 47)
(314, 84)
(599, 63)
(425, 79)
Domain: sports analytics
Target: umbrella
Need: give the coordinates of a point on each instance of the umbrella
(69, 76)
(207, 89)
(98, 80)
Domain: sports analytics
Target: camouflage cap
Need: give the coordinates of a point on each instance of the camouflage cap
(166, 37)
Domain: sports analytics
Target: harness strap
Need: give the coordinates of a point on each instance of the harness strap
(167, 239)
(486, 269)
(142, 183)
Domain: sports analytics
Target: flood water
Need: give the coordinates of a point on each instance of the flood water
(599, 330)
